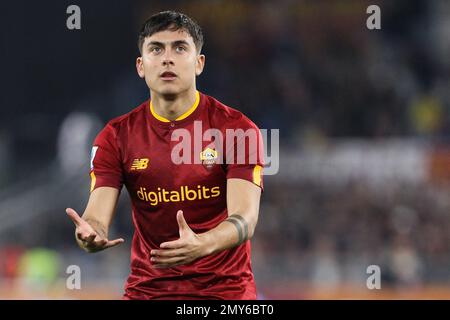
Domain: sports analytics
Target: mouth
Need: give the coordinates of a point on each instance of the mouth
(168, 75)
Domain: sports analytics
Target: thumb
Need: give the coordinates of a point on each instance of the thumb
(73, 215)
(182, 224)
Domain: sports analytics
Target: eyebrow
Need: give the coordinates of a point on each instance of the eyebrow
(174, 43)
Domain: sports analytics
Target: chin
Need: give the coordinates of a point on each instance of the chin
(169, 93)
(169, 90)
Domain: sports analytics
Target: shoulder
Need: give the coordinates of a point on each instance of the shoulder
(129, 118)
(113, 129)
(225, 116)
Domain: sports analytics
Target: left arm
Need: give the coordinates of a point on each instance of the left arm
(243, 208)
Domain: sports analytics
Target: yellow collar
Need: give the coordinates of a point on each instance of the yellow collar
(183, 116)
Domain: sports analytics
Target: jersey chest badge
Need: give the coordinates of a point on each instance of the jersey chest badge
(208, 157)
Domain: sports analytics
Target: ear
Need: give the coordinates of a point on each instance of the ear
(199, 64)
(140, 67)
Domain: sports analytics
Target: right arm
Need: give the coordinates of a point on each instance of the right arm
(91, 232)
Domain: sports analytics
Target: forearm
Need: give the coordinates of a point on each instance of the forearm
(91, 229)
(243, 208)
(100, 209)
(233, 231)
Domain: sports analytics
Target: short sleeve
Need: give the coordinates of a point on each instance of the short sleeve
(246, 165)
(106, 164)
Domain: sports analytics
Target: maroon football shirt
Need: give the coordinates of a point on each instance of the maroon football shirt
(137, 150)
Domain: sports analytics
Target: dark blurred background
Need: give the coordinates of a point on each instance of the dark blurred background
(364, 120)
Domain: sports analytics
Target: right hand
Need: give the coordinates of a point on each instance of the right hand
(87, 238)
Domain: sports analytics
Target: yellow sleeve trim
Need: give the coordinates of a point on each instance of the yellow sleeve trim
(183, 116)
(93, 179)
(257, 175)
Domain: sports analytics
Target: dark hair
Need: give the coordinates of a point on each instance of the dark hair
(170, 20)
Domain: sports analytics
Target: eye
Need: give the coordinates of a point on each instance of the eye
(180, 49)
(155, 49)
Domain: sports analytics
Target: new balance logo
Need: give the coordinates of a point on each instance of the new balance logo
(139, 164)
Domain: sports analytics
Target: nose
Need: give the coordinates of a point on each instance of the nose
(167, 59)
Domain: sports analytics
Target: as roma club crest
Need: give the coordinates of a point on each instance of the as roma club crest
(208, 158)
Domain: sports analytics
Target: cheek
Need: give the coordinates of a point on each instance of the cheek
(188, 68)
(191, 68)
(150, 68)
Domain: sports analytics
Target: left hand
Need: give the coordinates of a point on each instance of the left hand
(189, 247)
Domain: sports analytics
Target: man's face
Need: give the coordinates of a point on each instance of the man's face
(169, 62)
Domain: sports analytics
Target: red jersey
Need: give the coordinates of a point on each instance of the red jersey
(137, 150)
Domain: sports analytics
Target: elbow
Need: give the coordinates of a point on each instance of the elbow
(251, 227)
(250, 233)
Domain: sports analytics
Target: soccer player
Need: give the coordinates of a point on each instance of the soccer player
(194, 218)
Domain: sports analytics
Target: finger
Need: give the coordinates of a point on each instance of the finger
(82, 233)
(113, 243)
(93, 246)
(167, 262)
(73, 215)
(98, 244)
(167, 253)
(176, 244)
(170, 265)
(166, 266)
(90, 237)
(182, 224)
(86, 236)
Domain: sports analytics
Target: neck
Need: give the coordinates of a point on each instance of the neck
(173, 106)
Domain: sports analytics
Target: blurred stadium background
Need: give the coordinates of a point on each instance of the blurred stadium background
(364, 119)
